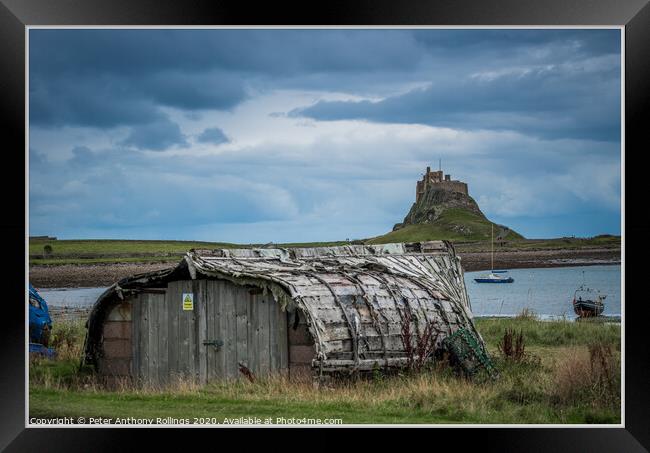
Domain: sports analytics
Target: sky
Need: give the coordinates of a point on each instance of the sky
(271, 135)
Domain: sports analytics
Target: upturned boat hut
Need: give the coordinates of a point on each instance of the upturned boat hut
(302, 311)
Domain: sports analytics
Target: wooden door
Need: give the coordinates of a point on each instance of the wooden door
(250, 329)
(225, 326)
(149, 338)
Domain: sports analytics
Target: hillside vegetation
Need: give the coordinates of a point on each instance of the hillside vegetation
(453, 224)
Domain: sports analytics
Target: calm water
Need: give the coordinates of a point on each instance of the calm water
(70, 297)
(548, 292)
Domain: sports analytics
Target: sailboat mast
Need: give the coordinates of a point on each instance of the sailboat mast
(492, 248)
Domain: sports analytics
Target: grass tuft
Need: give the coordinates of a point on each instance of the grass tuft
(576, 380)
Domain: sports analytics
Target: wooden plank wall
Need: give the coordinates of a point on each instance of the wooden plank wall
(183, 330)
(168, 342)
(301, 347)
(150, 351)
(252, 327)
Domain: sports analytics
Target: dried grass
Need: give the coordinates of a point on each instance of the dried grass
(591, 376)
(67, 339)
(527, 314)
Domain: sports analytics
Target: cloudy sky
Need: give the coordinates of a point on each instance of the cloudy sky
(313, 135)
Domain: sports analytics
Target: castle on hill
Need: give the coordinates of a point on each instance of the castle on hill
(438, 180)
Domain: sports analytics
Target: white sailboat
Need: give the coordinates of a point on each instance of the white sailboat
(493, 276)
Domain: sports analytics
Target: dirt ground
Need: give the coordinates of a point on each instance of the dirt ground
(87, 275)
(73, 275)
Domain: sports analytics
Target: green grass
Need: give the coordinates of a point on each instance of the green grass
(108, 251)
(553, 388)
(443, 228)
(117, 247)
(93, 251)
(549, 333)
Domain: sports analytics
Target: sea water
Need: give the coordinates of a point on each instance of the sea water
(71, 297)
(546, 291)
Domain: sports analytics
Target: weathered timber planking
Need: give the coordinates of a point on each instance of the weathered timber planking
(152, 314)
(176, 294)
(173, 346)
(202, 332)
(230, 334)
(143, 326)
(274, 332)
(353, 296)
(191, 328)
(196, 334)
(212, 311)
(135, 337)
(163, 337)
(263, 334)
(241, 324)
(219, 323)
(283, 340)
(253, 351)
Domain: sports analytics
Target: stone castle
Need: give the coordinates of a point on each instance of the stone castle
(438, 180)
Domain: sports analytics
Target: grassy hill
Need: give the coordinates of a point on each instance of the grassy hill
(454, 224)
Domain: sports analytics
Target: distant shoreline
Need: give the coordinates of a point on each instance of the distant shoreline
(480, 261)
(93, 275)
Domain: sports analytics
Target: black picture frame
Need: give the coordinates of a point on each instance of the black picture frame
(15, 15)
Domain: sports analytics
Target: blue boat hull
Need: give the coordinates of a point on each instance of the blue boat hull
(39, 349)
(40, 323)
(489, 280)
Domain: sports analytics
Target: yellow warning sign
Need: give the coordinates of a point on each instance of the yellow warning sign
(188, 301)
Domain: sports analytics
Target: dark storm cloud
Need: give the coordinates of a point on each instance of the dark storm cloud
(573, 108)
(460, 42)
(157, 136)
(108, 78)
(105, 78)
(145, 52)
(213, 135)
(567, 86)
(101, 102)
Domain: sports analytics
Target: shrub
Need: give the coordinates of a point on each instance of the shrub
(605, 369)
(67, 339)
(419, 348)
(592, 378)
(513, 350)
